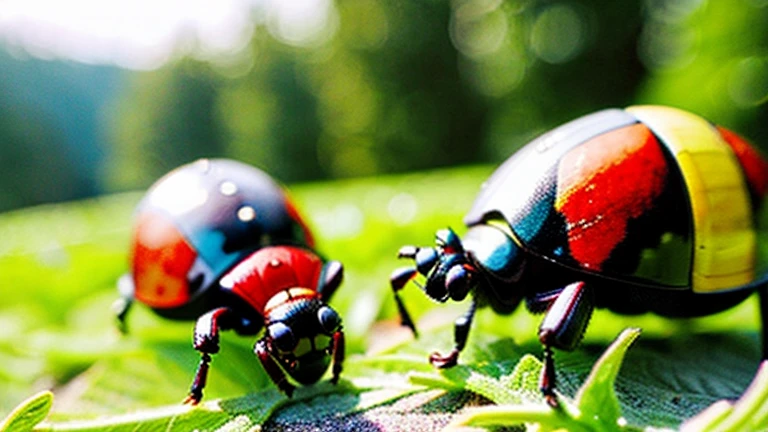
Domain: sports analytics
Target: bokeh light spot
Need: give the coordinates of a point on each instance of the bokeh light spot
(558, 34)
(342, 221)
(303, 22)
(479, 28)
(402, 208)
(748, 84)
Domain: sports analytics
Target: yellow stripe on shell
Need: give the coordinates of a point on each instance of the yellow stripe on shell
(724, 239)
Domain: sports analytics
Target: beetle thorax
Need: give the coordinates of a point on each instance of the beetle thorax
(287, 297)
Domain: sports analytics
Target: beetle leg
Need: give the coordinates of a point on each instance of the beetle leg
(563, 327)
(206, 340)
(547, 378)
(207, 329)
(540, 302)
(397, 280)
(408, 252)
(400, 277)
(122, 305)
(460, 334)
(262, 349)
(330, 279)
(338, 355)
(198, 384)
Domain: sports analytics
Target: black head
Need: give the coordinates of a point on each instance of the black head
(451, 268)
(300, 330)
(446, 267)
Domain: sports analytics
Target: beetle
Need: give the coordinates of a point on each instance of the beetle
(285, 290)
(642, 209)
(218, 241)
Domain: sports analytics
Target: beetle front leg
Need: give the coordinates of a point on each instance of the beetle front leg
(460, 334)
(206, 340)
(397, 281)
(198, 384)
(122, 305)
(563, 327)
(262, 350)
(338, 355)
(330, 279)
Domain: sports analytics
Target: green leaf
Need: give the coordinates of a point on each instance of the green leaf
(56, 331)
(321, 402)
(597, 399)
(749, 412)
(29, 413)
(489, 381)
(596, 407)
(213, 415)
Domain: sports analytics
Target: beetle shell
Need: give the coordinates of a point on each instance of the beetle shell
(198, 221)
(265, 277)
(651, 195)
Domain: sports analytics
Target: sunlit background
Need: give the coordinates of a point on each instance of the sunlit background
(104, 96)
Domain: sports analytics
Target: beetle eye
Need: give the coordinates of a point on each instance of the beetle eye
(425, 260)
(457, 282)
(282, 337)
(329, 319)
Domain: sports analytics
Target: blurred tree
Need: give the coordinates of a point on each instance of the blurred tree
(373, 86)
(271, 115)
(711, 58)
(169, 118)
(50, 142)
(35, 168)
(392, 94)
(541, 63)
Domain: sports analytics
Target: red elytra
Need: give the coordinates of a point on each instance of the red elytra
(603, 184)
(161, 259)
(754, 165)
(272, 270)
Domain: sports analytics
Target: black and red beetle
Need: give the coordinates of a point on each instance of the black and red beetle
(220, 242)
(646, 209)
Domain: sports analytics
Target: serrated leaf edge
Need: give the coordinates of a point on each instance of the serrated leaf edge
(569, 415)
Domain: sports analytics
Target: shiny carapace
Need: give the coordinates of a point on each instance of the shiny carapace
(645, 209)
(220, 242)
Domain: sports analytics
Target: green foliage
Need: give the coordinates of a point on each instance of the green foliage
(175, 121)
(749, 412)
(379, 87)
(29, 149)
(29, 413)
(596, 406)
(397, 86)
(50, 141)
(58, 266)
(691, 67)
(386, 87)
